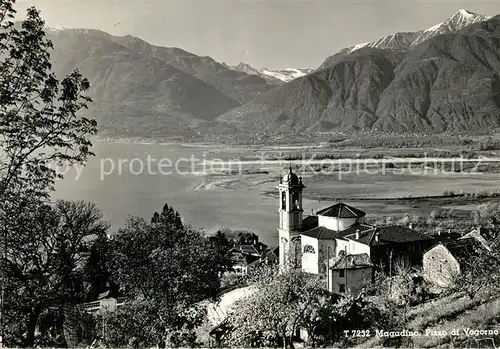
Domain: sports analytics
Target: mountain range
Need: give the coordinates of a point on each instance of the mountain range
(143, 90)
(444, 78)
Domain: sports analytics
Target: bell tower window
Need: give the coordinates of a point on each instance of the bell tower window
(283, 201)
(296, 202)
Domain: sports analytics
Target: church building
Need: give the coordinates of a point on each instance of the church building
(309, 242)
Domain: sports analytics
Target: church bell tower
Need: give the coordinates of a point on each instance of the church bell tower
(290, 215)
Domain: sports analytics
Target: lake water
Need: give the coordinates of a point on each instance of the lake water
(114, 180)
(133, 193)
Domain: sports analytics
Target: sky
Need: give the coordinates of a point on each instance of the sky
(264, 34)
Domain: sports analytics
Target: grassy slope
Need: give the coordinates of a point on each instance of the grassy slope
(455, 311)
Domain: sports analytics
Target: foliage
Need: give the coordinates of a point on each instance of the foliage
(237, 236)
(42, 246)
(480, 271)
(293, 299)
(141, 323)
(390, 299)
(164, 268)
(487, 215)
(38, 122)
(272, 315)
(47, 248)
(97, 269)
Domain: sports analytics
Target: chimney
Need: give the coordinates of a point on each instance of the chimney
(357, 234)
(312, 212)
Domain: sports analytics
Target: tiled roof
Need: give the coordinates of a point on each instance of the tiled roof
(246, 250)
(486, 233)
(387, 235)
(322, 233)
(353, 228)
(341, 210)
(463, 249)
(351, 261)
(479, 237)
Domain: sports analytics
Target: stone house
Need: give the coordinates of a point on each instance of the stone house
(443, 263)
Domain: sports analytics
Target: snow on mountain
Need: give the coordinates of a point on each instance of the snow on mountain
(404, 41)
(276, 77)
(286, 75)
(459, 20)
(54, 29)
(398, 41)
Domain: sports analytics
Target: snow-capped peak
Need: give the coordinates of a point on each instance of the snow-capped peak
(402, 41)
(465, 13)
(463, 18)
(285, 75)
(273, 75)
(54, 29)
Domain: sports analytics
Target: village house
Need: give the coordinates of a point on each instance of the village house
(443, 263)
(485, 236)
(349, 273)
(309, 242)
(389, 246)
(246, 258)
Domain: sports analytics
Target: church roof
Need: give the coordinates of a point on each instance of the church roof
(309, 222)
(322, 233)
(341, 210)
(351, 261)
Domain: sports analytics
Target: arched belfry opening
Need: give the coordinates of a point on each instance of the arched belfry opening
(290, 212)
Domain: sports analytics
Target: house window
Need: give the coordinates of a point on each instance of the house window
(341, 288)
(309, 249)
(341, 273)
